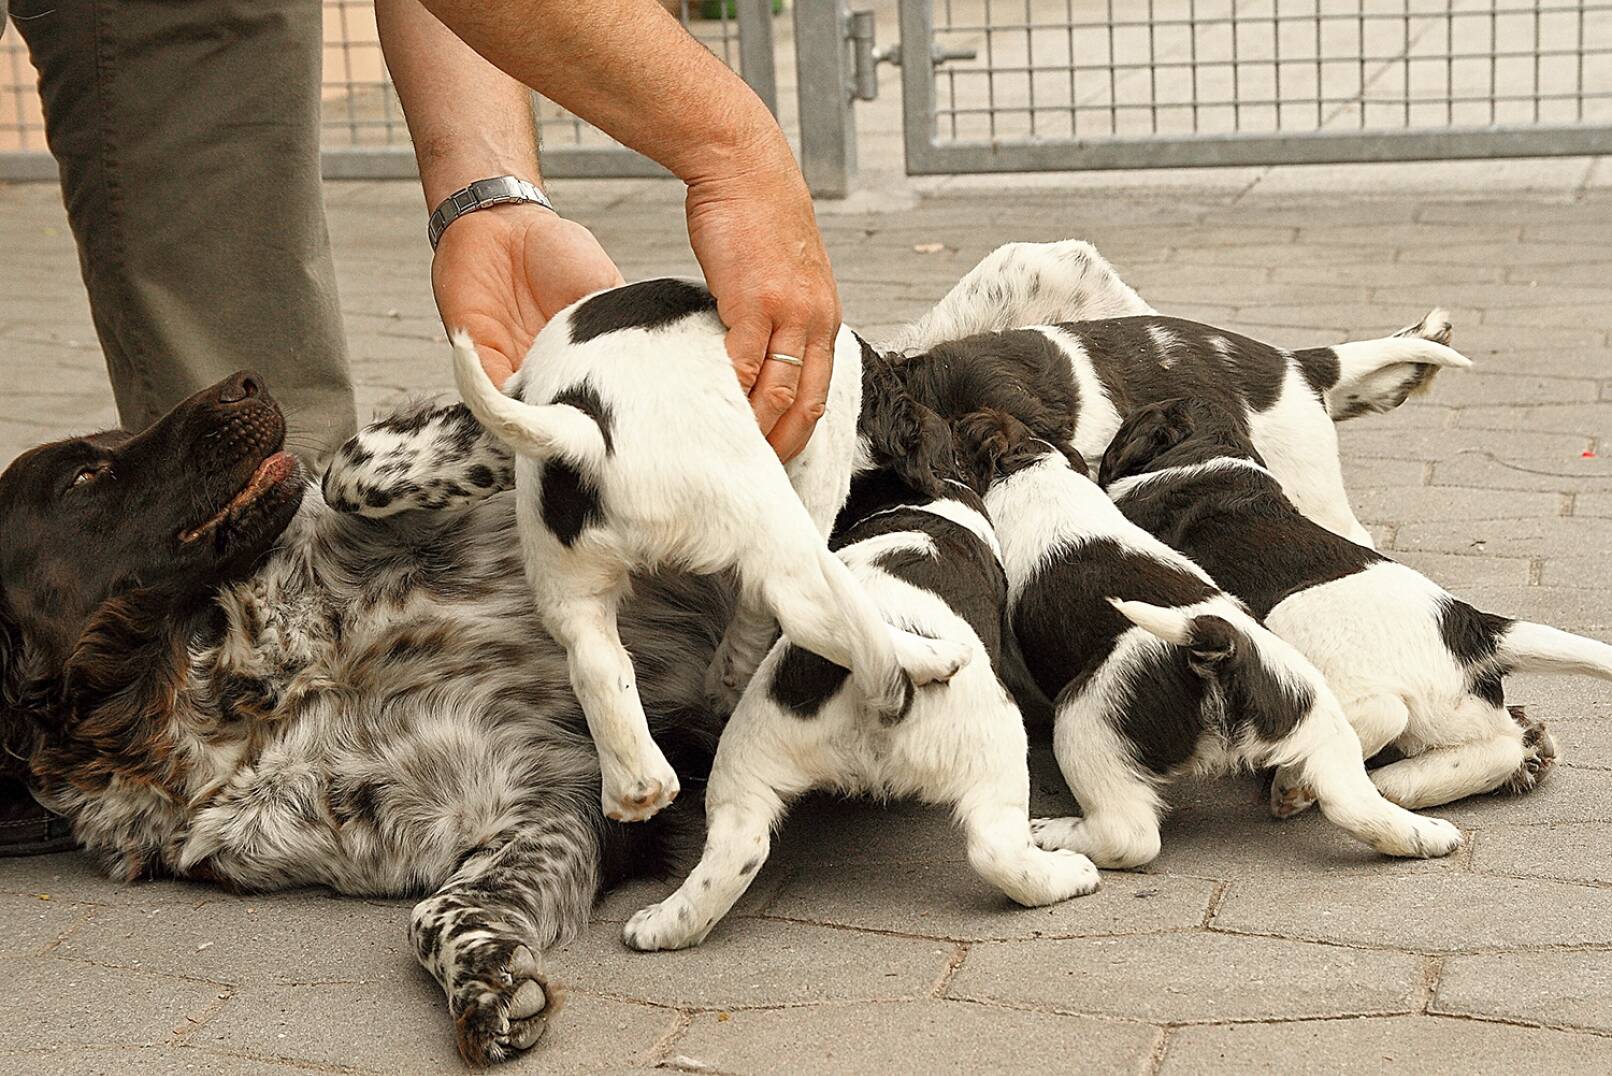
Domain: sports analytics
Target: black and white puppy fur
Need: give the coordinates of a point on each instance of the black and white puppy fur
(1079, 380)
(635, 452)
(923, 548)
(1154, 671)
(1413, 666)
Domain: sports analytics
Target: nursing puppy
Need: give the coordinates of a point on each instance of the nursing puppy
(1154, 671)
(1413, 666)
(1079, 380)
(924, 550)
(636, 451)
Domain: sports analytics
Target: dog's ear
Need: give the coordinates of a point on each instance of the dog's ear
(903, 435)
(1148, 433)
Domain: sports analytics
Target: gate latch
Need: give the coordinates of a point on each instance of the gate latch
(867, 56)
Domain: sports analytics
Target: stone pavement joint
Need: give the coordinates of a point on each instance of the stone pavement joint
(867, 944)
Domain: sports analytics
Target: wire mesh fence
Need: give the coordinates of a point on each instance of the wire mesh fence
(1048, 70)
(361, 108)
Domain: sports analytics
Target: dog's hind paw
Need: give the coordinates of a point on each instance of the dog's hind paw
(1539, 754)
(638, 795)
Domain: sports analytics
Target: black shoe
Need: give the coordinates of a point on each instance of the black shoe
(26, 828)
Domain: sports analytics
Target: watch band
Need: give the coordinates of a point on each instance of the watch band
(499, 190)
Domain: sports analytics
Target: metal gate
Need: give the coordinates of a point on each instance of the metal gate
(364, 134)
(1088, 84)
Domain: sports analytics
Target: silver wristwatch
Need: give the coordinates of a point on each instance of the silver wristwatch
(500, 190)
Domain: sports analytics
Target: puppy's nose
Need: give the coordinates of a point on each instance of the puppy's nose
(239, 388)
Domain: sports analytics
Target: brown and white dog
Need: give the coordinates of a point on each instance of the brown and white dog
(216, 676)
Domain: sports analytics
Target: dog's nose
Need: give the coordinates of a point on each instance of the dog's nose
(241, 387)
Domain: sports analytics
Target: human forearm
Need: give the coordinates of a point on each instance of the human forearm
(468, 119)
(627, 67)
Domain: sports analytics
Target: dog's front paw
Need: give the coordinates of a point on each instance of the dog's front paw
(1420, 837)
(671, 924)
(503, 1008)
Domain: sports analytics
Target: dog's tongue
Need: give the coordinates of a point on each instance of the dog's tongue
(270, 473)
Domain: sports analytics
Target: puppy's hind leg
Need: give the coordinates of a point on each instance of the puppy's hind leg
(637, 781)
(1122, 809)
(1327, 753)
(751, 778)
(1378, 721)
(1001, 849)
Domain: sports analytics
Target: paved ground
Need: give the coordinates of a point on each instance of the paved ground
(867, 946)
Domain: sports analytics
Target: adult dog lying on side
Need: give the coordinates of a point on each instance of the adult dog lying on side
(1413, 665)
(215, 676)
(1154, 670)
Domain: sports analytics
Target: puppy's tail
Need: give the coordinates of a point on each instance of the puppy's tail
(541, 432)
(1210, 641)
(1527, 647)
(1379, 375)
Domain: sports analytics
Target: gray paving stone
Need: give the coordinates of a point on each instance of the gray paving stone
(1172, 978)
(1387, 437)
(1590, 420)
(141, 1061)
(1457, 572)
(1413, 1045)
(68, 1003)
(918, 1037)
(1444, 503)
(37, 922)
(286, 940)
(1564, 475)
(1538, 536)
(748, 962)
(403, 1025)
(1378, 473)
(1432, 912)
(1568, 851)
(1567, 795)
(1558, 987)
(947, 900)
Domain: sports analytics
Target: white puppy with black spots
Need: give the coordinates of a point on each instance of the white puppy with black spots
(1156, 672)
(924, 550)
(1413, 666)
(637, 452)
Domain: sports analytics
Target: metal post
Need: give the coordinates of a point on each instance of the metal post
(755, 51)
(823, 76)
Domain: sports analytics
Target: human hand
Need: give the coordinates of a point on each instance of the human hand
(756, 239)
(501, 273)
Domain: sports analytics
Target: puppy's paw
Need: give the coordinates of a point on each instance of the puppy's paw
(1420, 837)
(639, 794)
(1055, 834)
(1538, 754)
(671, 924)
(503, 1009)
(1289, 794)
(928, 661)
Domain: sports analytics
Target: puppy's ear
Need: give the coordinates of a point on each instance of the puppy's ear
(1147, 434)
(988, 440)
(904, 436)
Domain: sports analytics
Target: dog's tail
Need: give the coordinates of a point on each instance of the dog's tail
(1527, 647)
(1379, 375)
(1209, 640)
(547, 431)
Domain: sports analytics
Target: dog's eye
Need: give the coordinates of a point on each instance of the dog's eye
(89, 474)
